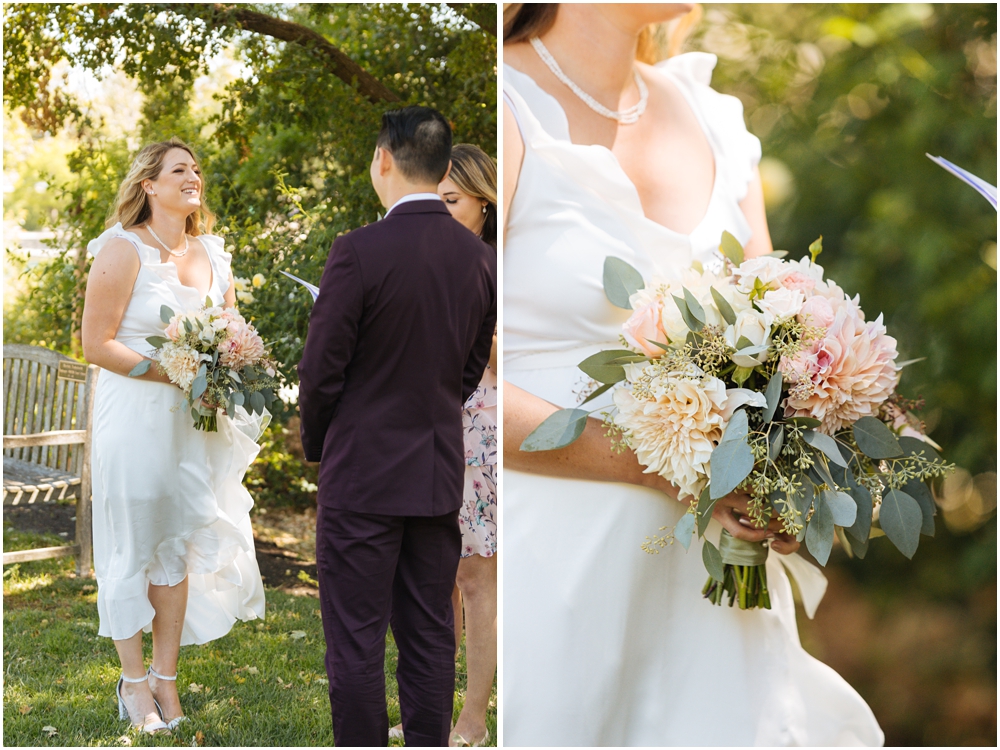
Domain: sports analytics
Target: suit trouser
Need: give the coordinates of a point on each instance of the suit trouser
(375, 570)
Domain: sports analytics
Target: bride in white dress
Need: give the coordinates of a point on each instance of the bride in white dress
(603, 643)
(173, 546)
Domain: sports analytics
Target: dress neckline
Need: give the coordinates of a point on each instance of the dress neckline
(211, 266)
(713, 196)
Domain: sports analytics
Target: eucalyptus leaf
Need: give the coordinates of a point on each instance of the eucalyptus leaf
(842, 474)
(821, 475)
(731, 248)
(603, 389)
(738, 427)
(860, 530)
(725, 309)
(597, 366)
(238, 398)
(775, 440)
(684, 529)
(198, 386)
(875, 439)
(705, 507)
(621, 281)
(901, 518)
(844, 541)
(803, 498)
(915, 446)
(773, 394)
(166, 313)
(842, 507)
(731, 463)
(819, 533)
(712, 558)
(826, 444)
(235, 376)
(202, 371)
(629, 359)
(743, 342)
(157, 341)
(858, 546)
(557, 431)
(257, 402)
(807, 422)
(919, 492)
(141, 368)
(694, 307)
(689, 320)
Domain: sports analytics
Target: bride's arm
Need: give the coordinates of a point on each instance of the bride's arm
(592, 458)
(513, 156)
(753, 208)
(109, 289)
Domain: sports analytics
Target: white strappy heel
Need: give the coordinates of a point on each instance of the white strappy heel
(148, 727)
(172, 724)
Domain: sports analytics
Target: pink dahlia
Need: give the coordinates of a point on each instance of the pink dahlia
(844, 376)
(243, 347)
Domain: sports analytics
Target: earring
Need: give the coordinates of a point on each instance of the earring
(484, 209)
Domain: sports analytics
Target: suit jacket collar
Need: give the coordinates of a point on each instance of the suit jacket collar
(419, 207)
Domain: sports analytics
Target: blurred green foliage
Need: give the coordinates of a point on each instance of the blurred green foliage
(847, 99)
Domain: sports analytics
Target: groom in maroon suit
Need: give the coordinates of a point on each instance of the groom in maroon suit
(398, 340)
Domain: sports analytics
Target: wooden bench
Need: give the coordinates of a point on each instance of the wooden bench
(48, 412)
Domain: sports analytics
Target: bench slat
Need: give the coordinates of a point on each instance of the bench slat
(56, 437)
(42, 553)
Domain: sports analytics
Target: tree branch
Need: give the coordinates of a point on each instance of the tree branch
(339, 63)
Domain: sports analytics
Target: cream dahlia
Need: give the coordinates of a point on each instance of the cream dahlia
(180, 363)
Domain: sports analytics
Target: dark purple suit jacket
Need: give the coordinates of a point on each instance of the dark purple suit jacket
(398, 340)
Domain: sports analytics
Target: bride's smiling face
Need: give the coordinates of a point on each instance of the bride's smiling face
(636, 16)
(178, 186)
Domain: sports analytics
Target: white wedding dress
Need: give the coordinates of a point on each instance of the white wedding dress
(169, 500)
(604, 644)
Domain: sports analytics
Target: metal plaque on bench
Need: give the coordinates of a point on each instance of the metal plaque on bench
(72, 371)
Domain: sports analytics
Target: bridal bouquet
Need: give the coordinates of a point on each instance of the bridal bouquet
(215, 357)
(764, 378)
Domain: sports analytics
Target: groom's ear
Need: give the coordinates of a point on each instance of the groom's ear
(385, 161)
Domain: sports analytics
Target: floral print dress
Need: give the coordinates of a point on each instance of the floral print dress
(478, 516)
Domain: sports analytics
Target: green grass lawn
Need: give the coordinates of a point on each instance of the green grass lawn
(261, 685)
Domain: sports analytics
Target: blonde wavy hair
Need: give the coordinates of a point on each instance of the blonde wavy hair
(475, 174)
(132, 207)
(522, 21)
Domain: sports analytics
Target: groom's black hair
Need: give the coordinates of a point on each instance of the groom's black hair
(419, 139)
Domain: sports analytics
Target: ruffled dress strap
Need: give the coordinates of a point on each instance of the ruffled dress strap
(147, 255)
(221, 260)
(721, 115)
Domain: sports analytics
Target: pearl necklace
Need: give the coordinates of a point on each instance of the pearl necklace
(625, 117)
(175, 253)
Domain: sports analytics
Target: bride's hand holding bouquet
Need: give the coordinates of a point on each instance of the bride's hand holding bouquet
(217, 359)
(764, 380)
